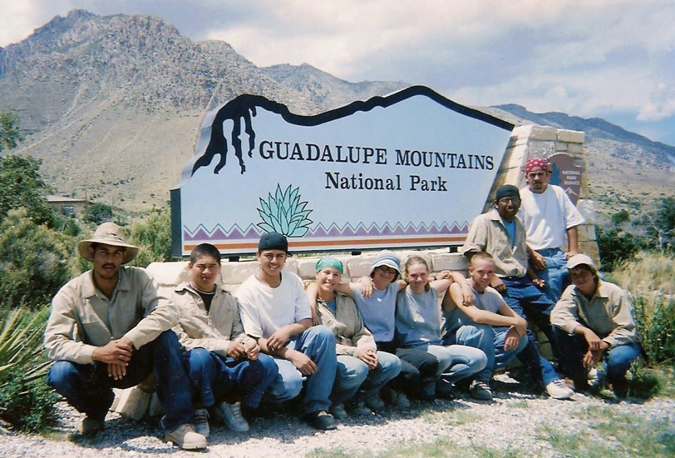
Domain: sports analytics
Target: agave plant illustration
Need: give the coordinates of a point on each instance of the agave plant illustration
(284, 213)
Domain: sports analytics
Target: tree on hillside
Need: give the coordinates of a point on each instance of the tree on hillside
(99, 213)
(660, 225)
(9, 130)
(22, 186)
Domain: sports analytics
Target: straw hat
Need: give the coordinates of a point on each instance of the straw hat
(108, 234)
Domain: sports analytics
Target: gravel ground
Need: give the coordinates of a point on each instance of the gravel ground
(511, 421)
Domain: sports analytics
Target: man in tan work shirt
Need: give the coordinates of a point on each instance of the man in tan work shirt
(109, 328)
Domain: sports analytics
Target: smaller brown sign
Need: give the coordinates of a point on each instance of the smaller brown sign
(566, 175)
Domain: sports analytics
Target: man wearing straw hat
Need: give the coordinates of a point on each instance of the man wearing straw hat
(109, 328)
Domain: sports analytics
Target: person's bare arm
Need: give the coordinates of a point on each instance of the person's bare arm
(573, 239)
(281, 336)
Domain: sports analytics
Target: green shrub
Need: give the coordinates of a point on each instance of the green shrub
(615, 246)
(33, 261)
(153, 237)
(25, 400)
(645, 383)
(655, 319)
(98, 213)
(28, 405)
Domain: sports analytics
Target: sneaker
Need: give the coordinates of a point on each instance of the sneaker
(321, 420)
(338, 411)
(481, 390)
(186, 438)
(92, 426)
(558, 389)
(361, 409)
(374, 402)
(201, 422)
(233, 417)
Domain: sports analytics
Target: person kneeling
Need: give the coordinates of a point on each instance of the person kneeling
(593, 321)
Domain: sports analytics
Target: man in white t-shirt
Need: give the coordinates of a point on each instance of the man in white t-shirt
(548, 215)
(275, 311)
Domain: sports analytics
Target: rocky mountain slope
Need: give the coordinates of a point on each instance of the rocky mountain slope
(112, 104)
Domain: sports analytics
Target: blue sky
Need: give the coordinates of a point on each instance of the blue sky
(612, 59)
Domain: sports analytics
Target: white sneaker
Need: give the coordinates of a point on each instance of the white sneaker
(201, 422)
(558, 389)
(233, 417)
(186, 438)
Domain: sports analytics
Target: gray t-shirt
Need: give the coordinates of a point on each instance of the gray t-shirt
(489, 300)
(378, 311)
(418, 318)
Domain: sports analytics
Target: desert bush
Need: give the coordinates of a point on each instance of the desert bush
(153, 237)
(651, 280)
(615, 246)
(33, 260)
(655, 319)
(25, 400)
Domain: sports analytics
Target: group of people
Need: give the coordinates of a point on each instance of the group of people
(341, 348)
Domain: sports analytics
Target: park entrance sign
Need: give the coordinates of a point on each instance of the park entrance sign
(408, 170)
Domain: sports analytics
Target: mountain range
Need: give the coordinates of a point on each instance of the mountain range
(112, 106)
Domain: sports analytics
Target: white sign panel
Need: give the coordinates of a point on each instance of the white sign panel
(408, 170)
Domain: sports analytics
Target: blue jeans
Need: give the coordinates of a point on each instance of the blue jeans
(317, 342)
(352, 374)
(617, 360)
(531, 303)
(556, 275)
(88, 388)
(490, 340)
(215, 377)
(456, 362)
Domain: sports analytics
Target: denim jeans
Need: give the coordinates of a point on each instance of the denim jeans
(353, 374)
(317, 342)
(216, 378)
(555, 275)
(617, 360)
(88, 388)
(490, 340)
(531, 303)
(417, 367)
(456, 362)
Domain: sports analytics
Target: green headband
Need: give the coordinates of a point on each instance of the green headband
(329, 261)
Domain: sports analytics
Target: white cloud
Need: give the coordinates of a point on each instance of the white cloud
(583, 57)
(661, 103)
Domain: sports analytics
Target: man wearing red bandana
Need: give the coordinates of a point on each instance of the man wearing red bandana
(549, 216)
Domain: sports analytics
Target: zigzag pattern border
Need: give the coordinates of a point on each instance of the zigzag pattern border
(333, 231)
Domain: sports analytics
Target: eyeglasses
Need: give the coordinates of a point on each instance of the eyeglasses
(509, 200)
(387, 269)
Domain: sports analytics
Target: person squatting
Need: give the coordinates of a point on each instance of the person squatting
(342, 349)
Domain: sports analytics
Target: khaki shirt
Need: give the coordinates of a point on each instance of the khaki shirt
(347, 326)
(487, 233)
(212, 330)
(82, 318)
(608, 313)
